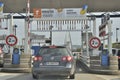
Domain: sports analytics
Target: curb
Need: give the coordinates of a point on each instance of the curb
(110, 72)
(12, 70)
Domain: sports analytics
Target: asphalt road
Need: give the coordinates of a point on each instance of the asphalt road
(80, 75)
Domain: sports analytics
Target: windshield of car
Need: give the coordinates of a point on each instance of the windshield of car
(53, 52)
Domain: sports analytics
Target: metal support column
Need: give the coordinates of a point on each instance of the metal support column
(110, 37)
(50, 28)
(26, 37)
(94, 33)
(94, 26)
(11, 25)
(82, 38)
(117, 34)
(27, 29)
(87, 42)
(11, 28)
(87, 46)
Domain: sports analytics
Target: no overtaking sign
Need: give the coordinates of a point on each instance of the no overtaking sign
(94, 42)
(11, 40)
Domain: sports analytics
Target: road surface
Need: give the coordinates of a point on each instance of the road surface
(79, 76)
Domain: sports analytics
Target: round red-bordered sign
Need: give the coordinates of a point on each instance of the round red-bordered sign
(11, 40)
(94, 42)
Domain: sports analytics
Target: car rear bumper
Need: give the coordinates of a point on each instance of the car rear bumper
(53, 71)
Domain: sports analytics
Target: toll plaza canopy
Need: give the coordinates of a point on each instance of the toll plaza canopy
(19, 6)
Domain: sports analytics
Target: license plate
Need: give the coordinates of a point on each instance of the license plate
(52, 63)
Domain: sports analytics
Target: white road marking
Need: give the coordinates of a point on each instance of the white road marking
(109, 77)
(5, 76)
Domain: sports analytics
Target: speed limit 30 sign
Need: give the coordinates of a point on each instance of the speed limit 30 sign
(94, 42)
(11, 40)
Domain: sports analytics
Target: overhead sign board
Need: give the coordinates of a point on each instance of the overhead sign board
(54, 13)
(37, 13)
(102, 30)
(72, 12)
(48, 13)
(1, 7)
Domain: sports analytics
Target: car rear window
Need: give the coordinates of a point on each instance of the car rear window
(53, 51)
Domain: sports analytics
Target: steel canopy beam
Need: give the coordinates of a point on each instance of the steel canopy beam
(97, 16)
(19, 6)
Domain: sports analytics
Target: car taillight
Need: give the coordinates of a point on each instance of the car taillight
(118, 57)
(37, 58)
(67, 58)
(1, 55)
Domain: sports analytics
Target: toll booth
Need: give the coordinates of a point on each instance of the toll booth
(35, 50)
(15, 56)
(104, 58)
(38, 40)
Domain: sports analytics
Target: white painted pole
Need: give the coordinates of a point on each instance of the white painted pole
(110, 37)
(82, 36)
(70, 44)
(87, 41)
(11, 32)
(11, 25)
(27, 29)
(87, 46)
(26, 38)
(94, 34)
(94, 27)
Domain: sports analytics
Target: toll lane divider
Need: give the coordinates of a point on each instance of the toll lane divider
(96, 67)
(23, 66)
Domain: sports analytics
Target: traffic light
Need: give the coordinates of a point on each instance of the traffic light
(48, 41)
(101, 47)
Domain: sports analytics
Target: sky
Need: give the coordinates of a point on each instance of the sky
(59, 37)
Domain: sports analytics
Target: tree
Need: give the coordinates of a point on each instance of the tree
(116, 45)
(78, 49)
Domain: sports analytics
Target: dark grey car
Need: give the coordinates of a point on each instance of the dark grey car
(54, 60)
(1, 60)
